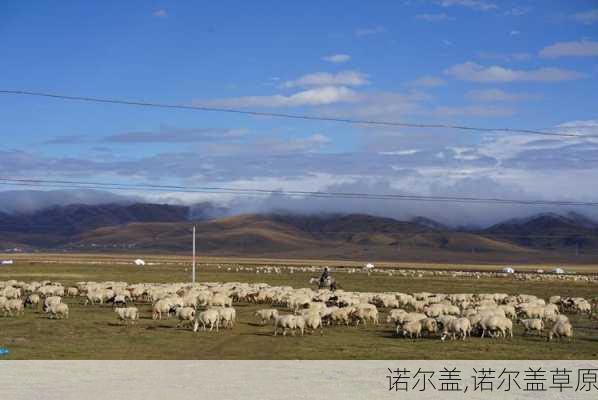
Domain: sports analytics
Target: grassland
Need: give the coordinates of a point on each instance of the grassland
(93, 332)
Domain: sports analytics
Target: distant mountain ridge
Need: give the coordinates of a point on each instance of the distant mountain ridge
(78, 218)
(163, 227)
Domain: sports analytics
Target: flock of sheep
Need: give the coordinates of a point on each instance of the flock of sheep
(450, 272)
(210, 306)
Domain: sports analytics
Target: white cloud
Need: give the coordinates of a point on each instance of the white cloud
(380, 105)
(583, 128)
(311, 97)
(399, 152)
(344, 78)
(491, 95)
(428, 81)
(473, 4)
(584, 48)
(587, 17)
(362, 32)
(434, 17)
(473, 72)
(337, 58)
(160, 13)
(515, 32)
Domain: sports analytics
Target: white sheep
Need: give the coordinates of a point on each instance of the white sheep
(161, 307)
(285, 322)
(364, 315)
(228, 315)
(313, 321)
(561, 329)
(209, 317)
(32, 300)
(13, 307)
(412, 328)
(126, 314)
(220, 300)
(497, 325)
(58, 310)
(266, 315)
(456, 327)
(185, 315)
(49, 301)
(532, 325)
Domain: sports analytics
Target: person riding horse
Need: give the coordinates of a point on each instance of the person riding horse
(325, 275)
(327, 280)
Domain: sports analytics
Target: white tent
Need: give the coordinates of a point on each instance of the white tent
(139, 262)
(508, 270)
(558, 271)
(7, 262)
(540, 271)
(369, 266)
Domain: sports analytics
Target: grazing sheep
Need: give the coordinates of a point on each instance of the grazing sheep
(58, 310)
(161, 307)
(560, 330)
(286, 322)
(313, 321)
(532, 325)
(185, 315)
(266, 315)
(93, 297)
(456, 327)
(395, 315)
(49, 301)
(32, 300)
(209, 317)
(412, 328)
(227, 316)
(495, 325)
(72, 292)
(364, 315)
(430, 326)
(127, 314)
(220, 300)
(13, 307)
(341, 316)
(583, 307)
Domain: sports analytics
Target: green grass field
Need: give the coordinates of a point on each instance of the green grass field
(93, 332)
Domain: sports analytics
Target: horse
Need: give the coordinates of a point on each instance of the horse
(328, 283)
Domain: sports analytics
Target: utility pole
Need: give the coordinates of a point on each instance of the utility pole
(193, 270)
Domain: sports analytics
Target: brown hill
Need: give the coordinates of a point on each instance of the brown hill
(276, 234)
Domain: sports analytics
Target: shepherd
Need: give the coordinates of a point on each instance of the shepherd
(326, 280)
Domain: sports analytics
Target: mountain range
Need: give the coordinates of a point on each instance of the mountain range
(143, 227)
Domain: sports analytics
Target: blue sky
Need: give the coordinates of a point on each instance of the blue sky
(524, 64)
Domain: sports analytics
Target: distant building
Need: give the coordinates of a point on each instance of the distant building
(508, 270)
(558, 271)
(7, 262)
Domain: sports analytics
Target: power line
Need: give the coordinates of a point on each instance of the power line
(286, 193)
(289, 116)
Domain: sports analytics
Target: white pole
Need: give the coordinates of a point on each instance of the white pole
(193, 273)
